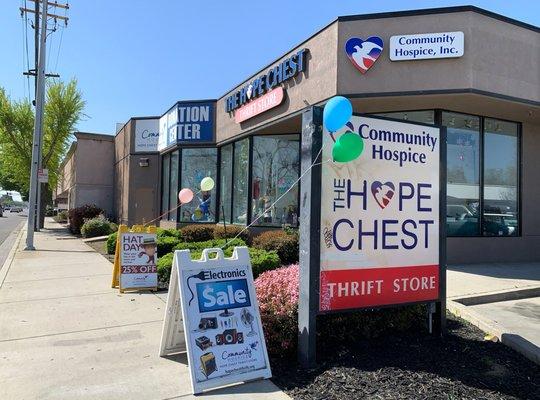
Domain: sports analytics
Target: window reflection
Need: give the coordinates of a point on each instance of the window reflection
(165, 169)
(423, 116)
(241, 181)
(225, 193)
(463, 174)
(173, 188)
(275, 170)
(198, 163)
(500, 216)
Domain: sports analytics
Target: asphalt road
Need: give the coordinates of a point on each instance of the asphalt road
(10, 225)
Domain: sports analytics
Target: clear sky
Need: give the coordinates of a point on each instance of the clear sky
(137, 57)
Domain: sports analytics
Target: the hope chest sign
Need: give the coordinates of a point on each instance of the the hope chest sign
(380, 217)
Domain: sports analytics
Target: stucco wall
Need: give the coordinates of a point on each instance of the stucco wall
(316, 83)
(499, 57)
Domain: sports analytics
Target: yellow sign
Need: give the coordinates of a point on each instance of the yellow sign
(135, 258)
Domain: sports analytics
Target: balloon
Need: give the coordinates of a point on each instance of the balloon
(185, 195)
(207, 184)
(336, 113)
(348, 147)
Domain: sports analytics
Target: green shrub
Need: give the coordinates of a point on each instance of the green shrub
(111, 242)
(98, 226)
(196, 246)
(166, 245)
(231, 231)
(168, 233)
(164, 266)
(61, 217)
(78, 215)
(197, 233)
(262, 260)
(286, 245)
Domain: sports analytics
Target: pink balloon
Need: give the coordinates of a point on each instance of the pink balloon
(185, 196)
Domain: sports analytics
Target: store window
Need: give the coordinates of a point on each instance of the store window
(225, 193)
(500, 205)
(241, 182)
(173, 185)
(165, 167)
(463, 174)
(198, 163)
(275, 171)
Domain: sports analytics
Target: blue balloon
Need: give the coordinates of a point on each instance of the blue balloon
(337, 113)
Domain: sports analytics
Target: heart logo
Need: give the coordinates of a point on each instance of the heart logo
(364, 53)
(382, 193)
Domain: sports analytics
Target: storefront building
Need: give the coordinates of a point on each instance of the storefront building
(136, 171)
(472, 71)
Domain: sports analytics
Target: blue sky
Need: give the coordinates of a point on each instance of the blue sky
(137, 57)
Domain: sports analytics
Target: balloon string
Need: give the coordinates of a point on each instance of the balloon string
(280, 197)
(332, 136)
(171, 210)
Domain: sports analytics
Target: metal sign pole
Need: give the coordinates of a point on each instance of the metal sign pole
(310, 226)
(439, 319)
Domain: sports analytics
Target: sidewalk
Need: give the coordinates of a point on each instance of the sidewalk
(65, 334)
(501, 299)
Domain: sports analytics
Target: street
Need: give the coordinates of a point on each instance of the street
(10, 225)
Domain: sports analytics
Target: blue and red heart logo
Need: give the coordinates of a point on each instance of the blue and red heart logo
(382, 192)
(364, 53)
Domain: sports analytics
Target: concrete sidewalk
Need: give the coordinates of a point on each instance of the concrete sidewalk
(65, 334)
(501, 299)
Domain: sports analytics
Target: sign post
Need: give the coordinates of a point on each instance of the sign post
(221, 322)
(373, 229)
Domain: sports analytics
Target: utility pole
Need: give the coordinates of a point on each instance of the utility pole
(38, 128)
(34, 203)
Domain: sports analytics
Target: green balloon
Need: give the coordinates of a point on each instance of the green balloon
(348, 147)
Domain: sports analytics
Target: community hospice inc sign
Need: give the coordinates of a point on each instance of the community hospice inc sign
(380, 217)
(423, 46)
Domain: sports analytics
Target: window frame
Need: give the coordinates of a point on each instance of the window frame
(438, 122)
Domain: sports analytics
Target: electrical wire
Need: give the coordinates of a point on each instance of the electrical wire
(25, 50)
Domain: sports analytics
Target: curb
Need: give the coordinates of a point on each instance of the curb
(494, 297)
(515, 342)
(9, 260)
(95, 239)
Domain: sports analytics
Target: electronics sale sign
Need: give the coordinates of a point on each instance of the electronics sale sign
(224, 336)
(380, 217)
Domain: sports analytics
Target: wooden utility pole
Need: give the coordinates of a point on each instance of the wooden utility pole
(39, 72)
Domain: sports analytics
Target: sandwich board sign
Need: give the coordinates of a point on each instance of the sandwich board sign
(135, 261)
(222, 326)
(376, 234)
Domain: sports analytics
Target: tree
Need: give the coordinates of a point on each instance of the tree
(63, 109)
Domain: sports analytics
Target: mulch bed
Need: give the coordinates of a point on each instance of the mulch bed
(413, 365)
(101, 248)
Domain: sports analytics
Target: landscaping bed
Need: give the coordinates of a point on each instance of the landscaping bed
(412, 365)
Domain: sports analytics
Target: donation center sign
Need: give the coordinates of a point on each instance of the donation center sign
(427, 46)
(380, 217)
(146, 135)
(187, 122)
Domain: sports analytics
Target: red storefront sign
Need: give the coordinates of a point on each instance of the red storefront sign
(365, 287)
(264, 103)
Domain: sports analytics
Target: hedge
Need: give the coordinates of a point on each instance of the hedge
(286, 245)
(166, 244)
(232, 231)
(169, 233)
(78, 215)
(111, 243)
(196, 246)
(261, 261)
(197, 233)
(98, 226)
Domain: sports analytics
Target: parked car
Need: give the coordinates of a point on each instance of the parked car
(7, 208)
(1, 211)
(16, 209)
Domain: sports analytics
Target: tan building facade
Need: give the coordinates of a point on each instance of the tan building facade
(136, 171)
(86, 175)
(485, 90)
